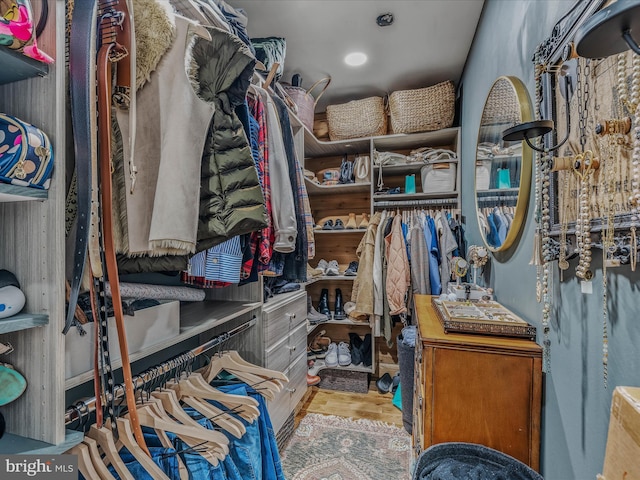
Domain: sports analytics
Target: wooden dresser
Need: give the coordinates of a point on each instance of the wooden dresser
(476, 388)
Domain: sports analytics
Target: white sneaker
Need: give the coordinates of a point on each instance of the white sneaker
(332, 268)
(344, 355)
(322, 267)
(331, 359)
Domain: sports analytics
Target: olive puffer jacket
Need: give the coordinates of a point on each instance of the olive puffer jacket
(231, 199)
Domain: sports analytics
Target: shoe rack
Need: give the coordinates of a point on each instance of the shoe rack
(342, 201)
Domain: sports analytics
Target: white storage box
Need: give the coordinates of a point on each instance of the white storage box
(146, 328)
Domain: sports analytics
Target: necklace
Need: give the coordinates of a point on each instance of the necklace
(631, 101)
(563, 264)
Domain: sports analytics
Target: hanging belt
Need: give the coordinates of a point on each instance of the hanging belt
(82, 81)
(111, 52)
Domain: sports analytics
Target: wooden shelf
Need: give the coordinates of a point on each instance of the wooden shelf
(343, 231)
(195, 318)
(16, 66)
(16, 193)
(499, 190)
(435, 139)
(325, 278)
(23, 321)
(11, 444)
(321, 365)
(346, 321)
(315, 189)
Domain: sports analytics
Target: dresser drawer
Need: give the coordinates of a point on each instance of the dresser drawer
(286, 400)
(279, 356)
(282, 317)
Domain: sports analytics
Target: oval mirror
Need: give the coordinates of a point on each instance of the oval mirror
(503, 169)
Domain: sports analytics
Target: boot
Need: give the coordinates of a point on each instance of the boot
(314, 316)
(338, 312)
(366, 350)
(355, 343)
(351, 223)
(323, 304)
(364, 223)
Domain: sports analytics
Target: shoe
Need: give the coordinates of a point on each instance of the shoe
(366, 350)
(323, 304)
(351, 223)
(313, 316)
(312, 380)
(338, 225)
(314, 272)
(352, 269)
(338, 311)
(328, 225)
(322, 267)
(310, 355)
(364, 223)
(344, 355)
(395, 382)
(331, 359)
(332, 269)
(319, 345)
(384, 383)
(355, 343)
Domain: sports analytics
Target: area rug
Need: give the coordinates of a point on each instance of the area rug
(327, 447)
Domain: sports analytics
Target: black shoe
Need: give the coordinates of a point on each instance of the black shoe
(323, 304)
(384, 383)
(352, 269)
(366, 350)
(339, 225)
(328, 225)
(338, 312)
(355, 344)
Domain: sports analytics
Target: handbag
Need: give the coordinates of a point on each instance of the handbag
(361, 166)
(26, 155)
(305, 102)
(18, 31)
(346, 171)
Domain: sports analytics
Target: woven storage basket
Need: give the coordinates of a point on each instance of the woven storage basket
(423, 109)
(305, 103)
(502, 105)
(357, 119)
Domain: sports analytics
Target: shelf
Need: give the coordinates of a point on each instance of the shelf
(315, 189)
(515, 157)
(343, 231)
(493, 191)
(16, 193)
(23, 321)
(320, 365)
(324, 278)
(16, 66)
(11, 444)
(195, 318)
(346, 321)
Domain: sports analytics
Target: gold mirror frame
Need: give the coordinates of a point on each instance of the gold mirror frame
(505, 120)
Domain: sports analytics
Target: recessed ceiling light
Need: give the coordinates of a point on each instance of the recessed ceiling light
(355, 59)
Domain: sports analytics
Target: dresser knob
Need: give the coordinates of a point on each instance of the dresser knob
(291, 390)
(293, 349)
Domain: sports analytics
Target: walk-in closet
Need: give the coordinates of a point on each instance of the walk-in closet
(319, 240)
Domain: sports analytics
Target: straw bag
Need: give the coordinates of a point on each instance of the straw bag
(357, 119)
(422, 110)
(304, 101)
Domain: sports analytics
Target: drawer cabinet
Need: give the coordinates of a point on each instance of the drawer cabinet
(477, 389)
(284, 327)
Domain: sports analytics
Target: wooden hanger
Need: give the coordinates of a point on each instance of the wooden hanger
(96, 459)
(200, 31)
(218, 417)
(167, 443)
(271, 75)
(267, 387)
(125, 436)
(252, 368)
(104, 439)
(85, 462)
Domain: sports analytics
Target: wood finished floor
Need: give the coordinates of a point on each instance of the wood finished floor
(372, 405)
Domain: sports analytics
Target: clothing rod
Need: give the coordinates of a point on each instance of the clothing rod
(398, 203)
(85, 406)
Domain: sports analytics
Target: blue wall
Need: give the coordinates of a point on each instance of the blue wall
(575, 404)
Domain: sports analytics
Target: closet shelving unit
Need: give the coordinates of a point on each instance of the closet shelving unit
(358, 198)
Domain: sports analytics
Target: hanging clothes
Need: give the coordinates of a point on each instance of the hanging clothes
(362, 291)
(398, 275)
(447, 246)
(231, 200)
(378, 285)
(431, 237)
(419, 260)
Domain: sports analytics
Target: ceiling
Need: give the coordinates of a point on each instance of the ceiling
(427, 43)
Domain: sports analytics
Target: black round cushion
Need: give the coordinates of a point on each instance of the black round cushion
(469, 461)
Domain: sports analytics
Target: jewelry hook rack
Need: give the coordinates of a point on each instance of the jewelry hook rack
(84, 407)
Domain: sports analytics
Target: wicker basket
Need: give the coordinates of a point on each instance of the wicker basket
(357, 119)
(422, 110)
(502, 105)
(305, 103)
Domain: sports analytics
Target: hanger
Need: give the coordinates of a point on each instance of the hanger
(152, 415)
(170, 403)
(250, 367)
(96, 459)
(195, 386)
(219, 417)
(85, 463)
(166, 443)
(125, 436)
(271, 75)
(200, 31)
(268, 387)
(104, 439)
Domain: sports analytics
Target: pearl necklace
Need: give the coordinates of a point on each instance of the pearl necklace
(631, 101)
(583, 168)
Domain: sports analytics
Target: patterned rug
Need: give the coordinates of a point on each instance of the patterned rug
(326, 447)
